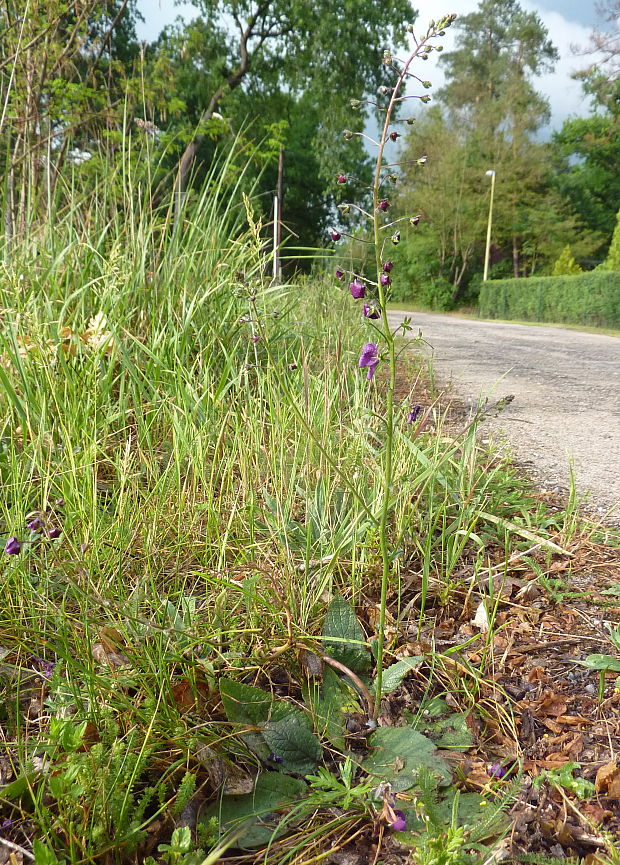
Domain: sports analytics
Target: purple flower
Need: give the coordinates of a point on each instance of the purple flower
(396, 238)
(54, 533)
(413, 414)
(497, 771)
(12, 547)
(387, 266)
(384, 279)
(394, 135)
(371, 311)
(6, 824)
(335, 235)
(47, 667)
(60, 503)
(384, 204)
(400, 823)
(357, 288)
(369, 358)
(35, 525)
(339, 273)
(342, 178)
(273, 758)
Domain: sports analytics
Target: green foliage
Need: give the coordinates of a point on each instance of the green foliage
(343, 637)
(612, 262)
(588, 298)
(566, 265)
(563, 777)
(397, 755)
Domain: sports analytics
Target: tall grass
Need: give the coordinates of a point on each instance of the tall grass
(212, 489)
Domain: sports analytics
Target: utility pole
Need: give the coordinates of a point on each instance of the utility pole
(277, 218)
(487, 253)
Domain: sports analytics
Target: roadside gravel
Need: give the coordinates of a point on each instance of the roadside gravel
(566, 387)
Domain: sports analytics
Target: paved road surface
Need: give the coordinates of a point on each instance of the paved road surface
(567, 395)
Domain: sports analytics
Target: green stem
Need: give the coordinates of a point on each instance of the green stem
(388, 451)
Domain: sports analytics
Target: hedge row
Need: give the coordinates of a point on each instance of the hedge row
(589, 298)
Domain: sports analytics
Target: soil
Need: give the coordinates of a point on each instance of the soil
(565, 414)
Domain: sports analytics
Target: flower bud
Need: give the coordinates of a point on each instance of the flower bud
(387, 266)
(347, 134)
(392, 178)
(335, 235)
(384, 279)
(426, 84)
(13, 547)
(344, 208)
(396, 238)
(384, 204)
(383, 90)
(356, 104)
(394, 136)
(410, 121)
(371, 311)
(339, 273)
(414, 220)
(342, 178)
(387, 57)
(426, 98)
(54, 533)
(422, 160)
(414, 413)
(357, 288)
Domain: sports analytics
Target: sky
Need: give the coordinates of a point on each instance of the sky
(569, 23)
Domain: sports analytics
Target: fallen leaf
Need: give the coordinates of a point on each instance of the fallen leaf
(607, 780)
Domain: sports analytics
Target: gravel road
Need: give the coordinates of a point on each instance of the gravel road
(566, 388)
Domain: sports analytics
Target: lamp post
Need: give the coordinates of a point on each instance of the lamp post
(490, 174)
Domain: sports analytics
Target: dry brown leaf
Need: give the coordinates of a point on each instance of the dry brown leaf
(607, 780)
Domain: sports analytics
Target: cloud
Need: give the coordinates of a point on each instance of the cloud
(566, 97)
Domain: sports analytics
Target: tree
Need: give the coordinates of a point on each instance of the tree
(291, 45)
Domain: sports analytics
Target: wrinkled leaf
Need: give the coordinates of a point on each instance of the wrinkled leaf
(291, 738)
(398, 753)
(349, 643)
(272, 792)
(245, 704)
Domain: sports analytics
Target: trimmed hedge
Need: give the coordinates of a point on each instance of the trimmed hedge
(588, 298)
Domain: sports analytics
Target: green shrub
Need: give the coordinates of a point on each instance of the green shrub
(612, 262)
(566, 265)
(588, 298)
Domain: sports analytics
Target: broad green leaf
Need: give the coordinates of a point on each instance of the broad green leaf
(394, 674)
(245, 704)
(328, 700)
(291, 738)
(601, 662)
(343, 637)
(398, 753)
(255, 810)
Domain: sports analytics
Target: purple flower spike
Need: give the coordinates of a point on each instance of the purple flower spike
(54, 533)
(35, 525)
(13, 547)
(384, 204)
(369, 358)
(371, 311)
(335, 235)
(357, 288)
(342, 178)
(339, 273)
(384, 279)
(400, 823)
(387, 266)
(414, 413)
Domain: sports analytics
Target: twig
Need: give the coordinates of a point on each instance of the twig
(370, 703)
(17, 849)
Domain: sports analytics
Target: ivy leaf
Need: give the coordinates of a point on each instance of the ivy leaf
(347, 643)
(291, 738)
(398, 755)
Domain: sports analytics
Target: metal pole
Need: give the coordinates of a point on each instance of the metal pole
(276, 221)
(490, 174)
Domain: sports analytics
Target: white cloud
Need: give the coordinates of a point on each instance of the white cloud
(565, 96)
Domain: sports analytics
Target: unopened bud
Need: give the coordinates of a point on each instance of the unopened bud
(383, 90)
(410, 121)
(387, 57)
(392, 178)
(396, 238)
(347, 134)
(356, 104)
(426, 84)
(344, 208)
(426, 98)
(422, 160)
(414, 220)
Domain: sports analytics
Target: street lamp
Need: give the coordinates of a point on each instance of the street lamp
(490, 174)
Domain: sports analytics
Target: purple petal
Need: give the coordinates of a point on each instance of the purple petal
(13, 546)
(369, 355)
(357, 288)
(400, 824)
